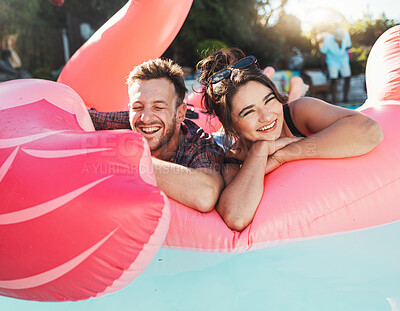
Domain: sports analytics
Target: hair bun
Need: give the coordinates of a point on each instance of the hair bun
(217, 61)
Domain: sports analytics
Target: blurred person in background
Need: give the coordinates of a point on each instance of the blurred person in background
(335, 55)
(10, 62)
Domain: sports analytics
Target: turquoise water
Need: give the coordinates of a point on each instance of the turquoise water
(351, 105)
(357, 271)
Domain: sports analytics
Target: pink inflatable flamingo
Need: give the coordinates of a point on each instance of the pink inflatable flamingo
(80, 215)
(141, 30)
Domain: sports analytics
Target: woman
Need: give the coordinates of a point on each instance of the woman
(267, 132)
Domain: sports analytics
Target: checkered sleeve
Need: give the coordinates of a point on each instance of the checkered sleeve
(209, 155)
(110, 120)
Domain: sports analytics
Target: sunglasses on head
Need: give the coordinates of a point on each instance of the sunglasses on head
(226, 72)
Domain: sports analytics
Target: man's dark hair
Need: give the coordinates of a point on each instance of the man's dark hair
(157, 69)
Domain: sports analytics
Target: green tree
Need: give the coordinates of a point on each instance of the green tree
(20, 17)
(364, 33)
(232, 23)
(17, 15)
(206, 21)
(289, 31)
(95, 12)
(38, 25)
(267, 9)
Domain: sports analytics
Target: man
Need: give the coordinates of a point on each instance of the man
(335, 49)
(186, 161)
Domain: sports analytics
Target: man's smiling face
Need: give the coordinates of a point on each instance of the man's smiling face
(153, 113)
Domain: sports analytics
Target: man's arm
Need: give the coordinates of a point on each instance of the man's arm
(197, 188)
(109, 120)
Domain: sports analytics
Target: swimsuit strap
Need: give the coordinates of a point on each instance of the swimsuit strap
(233, 161)
(289, 122)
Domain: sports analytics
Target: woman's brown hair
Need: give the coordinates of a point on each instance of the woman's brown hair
(217, 98)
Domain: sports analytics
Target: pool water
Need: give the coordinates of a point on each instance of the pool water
(350, 105)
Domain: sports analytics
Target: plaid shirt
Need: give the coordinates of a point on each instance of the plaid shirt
(197, 149)
(110, 120)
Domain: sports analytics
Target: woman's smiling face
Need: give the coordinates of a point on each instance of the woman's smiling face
(256, 113)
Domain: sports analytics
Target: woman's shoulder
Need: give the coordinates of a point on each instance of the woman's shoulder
(313, 114)
(302, 109)
(305, 101)
(305, 106)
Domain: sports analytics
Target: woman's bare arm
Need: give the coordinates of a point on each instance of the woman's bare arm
(337, 132)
